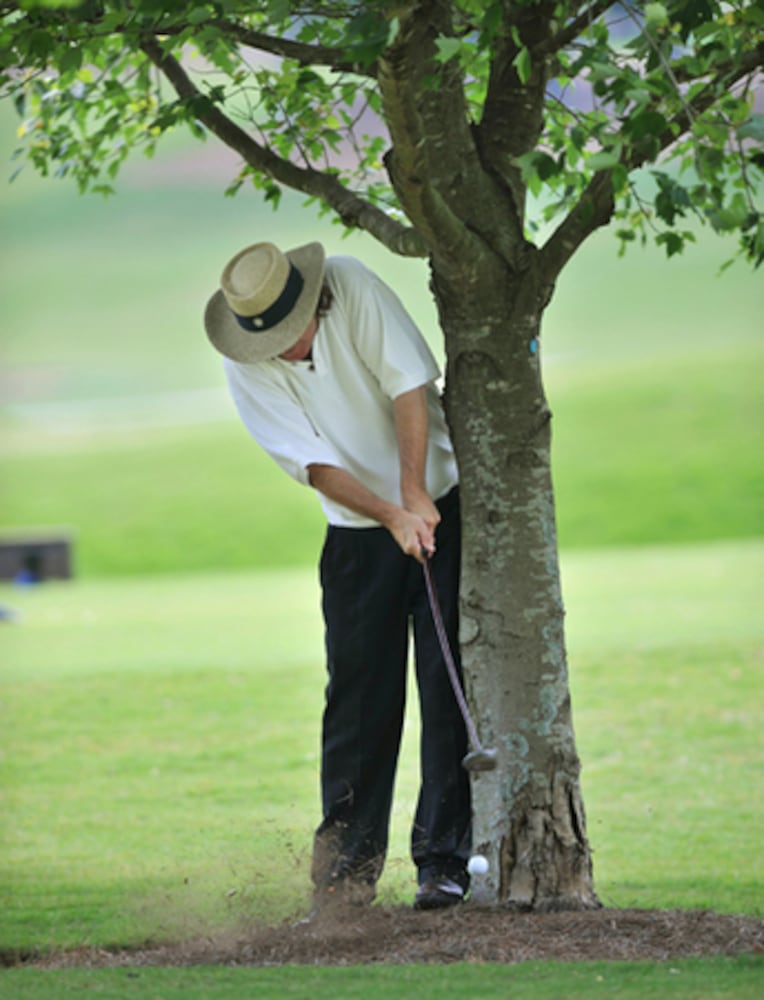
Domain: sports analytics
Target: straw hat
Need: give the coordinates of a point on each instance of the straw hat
(265, 301)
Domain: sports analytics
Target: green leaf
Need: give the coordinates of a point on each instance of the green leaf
(368, 33)
(758, 240)
(645, 123)
(547, 166)
(673, 243)
(671, 200)
(638, 95)
(605, 160)
(198, 15)
(40, 44)
(273, 195)
(70, 59)
(619, 177)
(736, 215)
(656, 15)
(278, 10)
(522, 63)
(691, 14)
(753, 128)
(448, 48)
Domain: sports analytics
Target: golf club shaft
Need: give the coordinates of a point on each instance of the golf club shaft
(453, 674)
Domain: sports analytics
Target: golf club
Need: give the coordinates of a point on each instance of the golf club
(479, 758)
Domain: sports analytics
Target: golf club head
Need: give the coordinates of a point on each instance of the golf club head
(480, 760)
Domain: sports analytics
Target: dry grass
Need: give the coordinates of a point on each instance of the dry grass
(398, 935)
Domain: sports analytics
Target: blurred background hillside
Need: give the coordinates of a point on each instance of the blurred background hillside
(116, 425)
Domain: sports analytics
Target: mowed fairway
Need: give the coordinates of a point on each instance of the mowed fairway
(161, 744)
(159, 714)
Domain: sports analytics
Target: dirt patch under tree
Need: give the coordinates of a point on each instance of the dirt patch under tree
(397, 935)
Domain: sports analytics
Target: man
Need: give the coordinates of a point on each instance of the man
(332, 378)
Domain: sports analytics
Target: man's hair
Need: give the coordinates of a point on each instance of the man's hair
(325, 300)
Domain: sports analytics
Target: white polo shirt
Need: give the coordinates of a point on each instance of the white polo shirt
(337, 409)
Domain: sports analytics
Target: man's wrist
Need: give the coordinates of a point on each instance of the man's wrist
(412, 493)
(391, 516)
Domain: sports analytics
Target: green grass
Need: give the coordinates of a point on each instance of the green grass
(711, 979)
(662, 452)
(658, 454)
(168, 500)
(160, 746)
(159, 772)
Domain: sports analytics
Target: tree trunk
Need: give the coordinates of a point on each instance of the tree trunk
(528, 814)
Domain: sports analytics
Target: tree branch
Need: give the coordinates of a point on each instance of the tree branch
(513, 111)
(573, 29)
(434, 166)
(167, 26)
(287, 48)
(421, 128)
(726, 78)
(592, 210)
(352, 210)
(595, 206)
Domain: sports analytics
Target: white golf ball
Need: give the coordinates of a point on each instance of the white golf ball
(477, 864)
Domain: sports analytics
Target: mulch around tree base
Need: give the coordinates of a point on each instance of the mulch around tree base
(397, 935)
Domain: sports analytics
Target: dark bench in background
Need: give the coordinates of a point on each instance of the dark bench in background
(31, 557)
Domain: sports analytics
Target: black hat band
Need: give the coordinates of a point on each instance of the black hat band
(280, 309)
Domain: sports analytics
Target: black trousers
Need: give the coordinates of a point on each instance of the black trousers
(372, 595)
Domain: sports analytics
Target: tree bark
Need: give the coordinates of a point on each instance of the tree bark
(528, 814)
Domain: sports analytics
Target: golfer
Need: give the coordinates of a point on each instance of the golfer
(332, 378)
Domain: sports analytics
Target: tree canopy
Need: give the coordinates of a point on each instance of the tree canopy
(562, 100)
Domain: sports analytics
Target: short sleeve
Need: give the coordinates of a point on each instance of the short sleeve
(385, 336)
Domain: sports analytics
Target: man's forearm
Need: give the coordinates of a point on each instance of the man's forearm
(411, 430)
(343, 487)
(411, 530)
